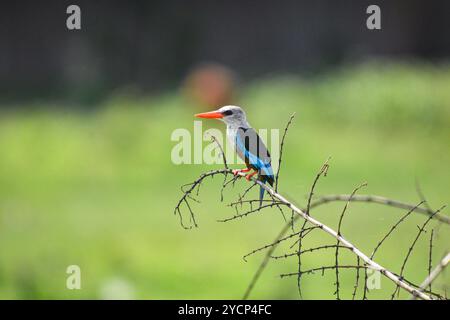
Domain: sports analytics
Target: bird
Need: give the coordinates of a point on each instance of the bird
(247, 144)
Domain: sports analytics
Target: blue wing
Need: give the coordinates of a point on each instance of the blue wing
(252, 149)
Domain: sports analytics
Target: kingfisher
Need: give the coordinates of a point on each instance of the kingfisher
(247, 144)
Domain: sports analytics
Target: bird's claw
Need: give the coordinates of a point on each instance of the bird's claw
(237, 171)
(249, 176)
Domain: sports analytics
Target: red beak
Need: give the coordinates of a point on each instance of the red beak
(210, 115)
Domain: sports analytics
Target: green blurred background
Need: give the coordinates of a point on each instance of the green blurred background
(98, 190)
(89, 181)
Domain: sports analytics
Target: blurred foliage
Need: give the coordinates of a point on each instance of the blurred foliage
(97, 189)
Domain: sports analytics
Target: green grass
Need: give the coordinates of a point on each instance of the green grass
(98, 189)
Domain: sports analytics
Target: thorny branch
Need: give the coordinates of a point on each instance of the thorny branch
(391, 230)
(379, 200)
(281, 149)
(322, 269)
(339, 233)
(421, 230)
(434, 274)
(323, 171)
(430, 256)
(191, 192)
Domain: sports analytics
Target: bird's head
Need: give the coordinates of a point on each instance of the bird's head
(231, 115)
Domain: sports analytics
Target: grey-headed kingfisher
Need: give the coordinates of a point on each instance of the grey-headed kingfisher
(246, 143)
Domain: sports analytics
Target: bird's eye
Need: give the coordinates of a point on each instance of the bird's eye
(227, 113)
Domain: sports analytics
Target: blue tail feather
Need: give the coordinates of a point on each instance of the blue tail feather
(261, 195)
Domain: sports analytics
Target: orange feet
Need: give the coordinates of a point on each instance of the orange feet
(249, 176)
(237, 171)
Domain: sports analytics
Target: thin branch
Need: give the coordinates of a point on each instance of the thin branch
(278, 241)
(434, 274)
(264, 262)
(331, 198)
(299, 260)
(280, 209)
(266, 259)
(187, 194)
(379, 200)
(336, 256)
(345, 197)
(323, 171)
(430, 256)
(374, 265)
(323, 269)
(242, 215)
(281, 149)
(432, 294)
(296, 253)
(403, 218)
(249, 202)
(278, 200)
(221, 151)
(355, 288)
(421, 229)
(393, 228)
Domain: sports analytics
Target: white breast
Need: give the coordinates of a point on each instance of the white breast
(231, 135)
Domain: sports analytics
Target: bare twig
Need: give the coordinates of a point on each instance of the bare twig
(430, 256)
(187, 194)
(280, 209)
(225, 164)
(315, 223)
(434, 274)
(393, 228)
(281, 149)
(299, 260)
(323, 269)
(323, 171)
(379, 200)
(341, 197)
(264, 262)
(296, 253)
(336, 256)
(278, 241)
(421, 229)
(242, 215)
(370, 263)
(278, 200)
(355, 288)
(403, 218)
(241, 197)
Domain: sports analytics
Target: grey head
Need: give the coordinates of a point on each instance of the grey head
(234, 116)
